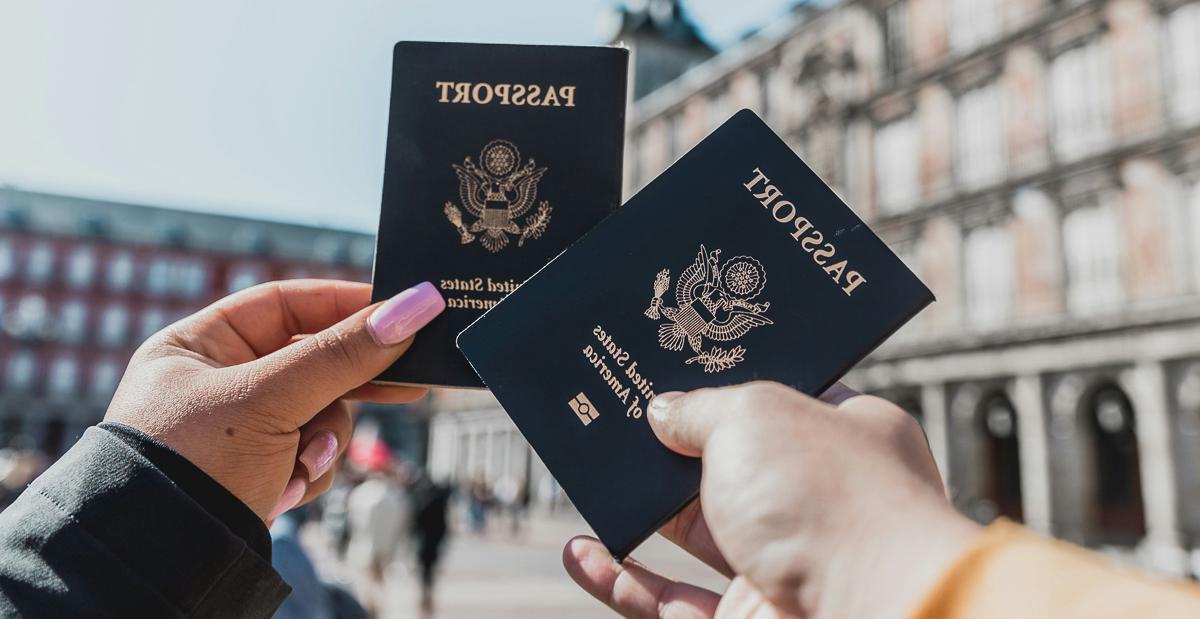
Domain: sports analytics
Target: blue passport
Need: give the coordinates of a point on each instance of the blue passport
(736, 264)
(498, 158)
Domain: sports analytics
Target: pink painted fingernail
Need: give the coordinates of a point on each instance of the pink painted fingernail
(404, 314)
(291, 496)
(318, 456)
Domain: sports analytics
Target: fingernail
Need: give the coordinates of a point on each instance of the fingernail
(662, 403)
(318, 456)
(837, 394)
(404, 314)
(291, 496)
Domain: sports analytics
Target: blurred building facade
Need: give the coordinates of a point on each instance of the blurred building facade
(1037, 163)
(84, 282)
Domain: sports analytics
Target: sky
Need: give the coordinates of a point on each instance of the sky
(274, 109)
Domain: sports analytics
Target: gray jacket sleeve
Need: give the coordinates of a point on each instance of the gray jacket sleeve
(106, 531)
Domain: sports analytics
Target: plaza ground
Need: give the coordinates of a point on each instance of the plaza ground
(499, 576)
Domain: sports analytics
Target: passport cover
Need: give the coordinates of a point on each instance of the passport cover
(736, 264)
(498, 158)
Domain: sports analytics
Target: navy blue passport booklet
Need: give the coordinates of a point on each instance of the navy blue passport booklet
(736, 264)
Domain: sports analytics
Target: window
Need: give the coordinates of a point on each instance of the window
(1091, 240)
(64, 374)
(114, 325)
(1079, 87)
(897, 166)
(158, 278)
(973, 23)
(73, 322)
(981, 151)
(1192, 205)
(120, 272)
(29, 316)
(989, 275)
(245, 276)
(1183, 83)
(22, 368)
(153, 319)
(41, 263)
(193, 278)
(81, 267)
(105, 376)
(897, 55)
(8, 261)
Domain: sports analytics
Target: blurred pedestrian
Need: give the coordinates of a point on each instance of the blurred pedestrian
(479, 500)
(430, 501)
(511, 499)
(378, 512)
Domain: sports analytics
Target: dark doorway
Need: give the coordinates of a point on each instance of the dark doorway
(1117, 502)
(1002, 456)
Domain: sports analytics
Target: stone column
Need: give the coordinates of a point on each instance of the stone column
(1034, 449)
(937, 427)
(1163, 544)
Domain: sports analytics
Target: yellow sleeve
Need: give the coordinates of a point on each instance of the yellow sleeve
(1010, 572)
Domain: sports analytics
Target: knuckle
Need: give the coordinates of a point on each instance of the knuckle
(903, 427)
(337, 345)
(762, 395)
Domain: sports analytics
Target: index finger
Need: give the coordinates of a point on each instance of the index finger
(266, 317)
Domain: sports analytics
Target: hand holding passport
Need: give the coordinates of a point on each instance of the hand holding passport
(737, 264)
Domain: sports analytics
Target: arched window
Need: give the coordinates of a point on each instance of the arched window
(1002, 456)
(1119, 515)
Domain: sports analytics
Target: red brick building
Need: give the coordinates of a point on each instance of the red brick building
(83, 282)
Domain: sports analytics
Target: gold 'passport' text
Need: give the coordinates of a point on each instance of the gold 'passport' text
(483, 93)
(811, 240)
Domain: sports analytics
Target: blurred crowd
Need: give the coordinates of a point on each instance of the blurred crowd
(383, 524)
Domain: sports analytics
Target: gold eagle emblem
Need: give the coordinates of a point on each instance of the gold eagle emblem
(713, 301)
(498, 192)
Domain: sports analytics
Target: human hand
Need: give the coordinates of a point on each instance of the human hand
(812, 510)
(253, 388)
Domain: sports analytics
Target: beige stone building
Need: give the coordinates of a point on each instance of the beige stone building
(1037, 163)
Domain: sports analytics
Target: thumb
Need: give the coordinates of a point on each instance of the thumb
(684, 422)
(315, 371)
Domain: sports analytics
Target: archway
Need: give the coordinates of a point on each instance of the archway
(1119, 517)
(1001, 483)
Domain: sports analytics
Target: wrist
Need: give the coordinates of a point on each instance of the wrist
(893, 562)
